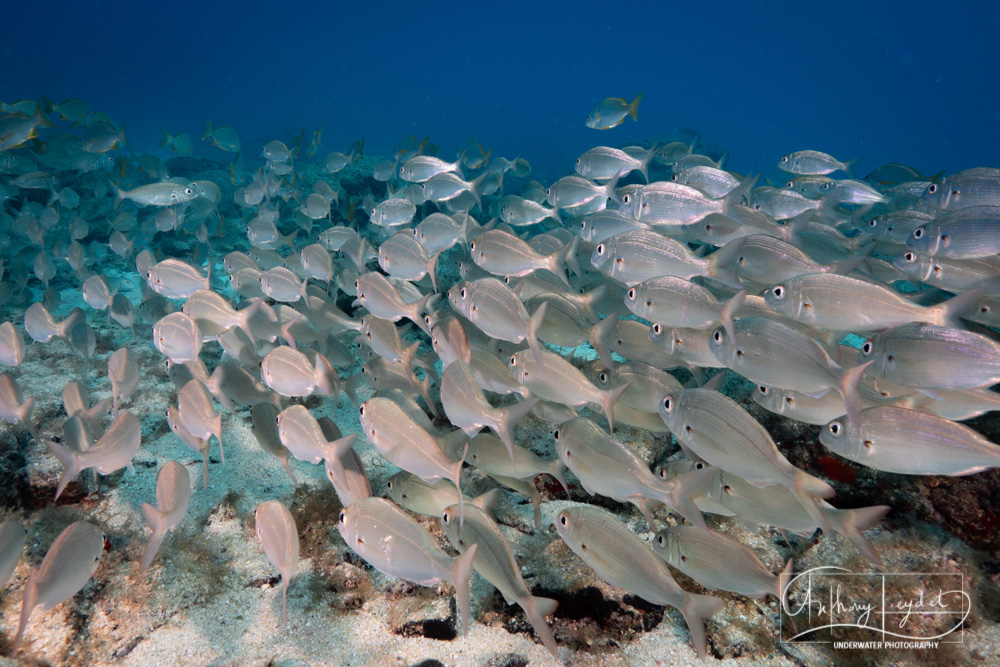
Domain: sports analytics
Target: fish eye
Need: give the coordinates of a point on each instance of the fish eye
(668, 404)
(631, 294)
(579, 160)
(513, 360)
(462, 293)
(784, 160)
(446, 516)
(717, 336)
(657, 329)
(918, 233)
(835, 428)
(660, 540)
(343, 516)
(626, 199)
(778, 291)
(764, 391)
(932, 188)
(873, 223)
(600, 249)
(188, 191)
(699, 466)
(603, 377)
(472, 246)
(361, 410)
(790, 184)
(563, 519)
(866, 348)
(555, 434)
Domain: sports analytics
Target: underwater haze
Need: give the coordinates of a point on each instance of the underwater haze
(486, 334)
(909, 82)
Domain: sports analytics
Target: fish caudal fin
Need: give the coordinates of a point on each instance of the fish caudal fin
(461, 575)
(71, 461)
(531, 333)
(608, 400)
(536, 609)
(633, 108)
(28, 603)
(808, 489)
(853, 522)
(157, 520)
(508, 417)
(848, 389)
(696, 609)
(947, 314)
(600, 334)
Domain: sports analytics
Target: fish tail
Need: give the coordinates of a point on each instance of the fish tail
(166, 138)
(461, 575)
(507, 418)
(536, 609)
(218, 436)
(608, 400)
(531, 334)
(334, 449)
(157, 520)
(645, 162)
(684, 489)
(852, 524)
(849, 166)
(848, 388)
(71, 461)
(720, 260)
(555, 261)
(807, 489)
(558, 471)
(28, 603)
(432, 268)
(417, 309)
(208, 131)
(600, 335)
(24, 414)
(946, 314)
(696, 609)
(728, 312)
(609, 188)
(486, 501)
(204, 468)
(736, 196)
(784, 578)
(633, 108)
(456, 479)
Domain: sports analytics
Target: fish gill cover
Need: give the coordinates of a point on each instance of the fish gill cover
(629, 310)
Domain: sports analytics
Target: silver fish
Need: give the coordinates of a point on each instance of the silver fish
(11, 345)
(562, 382)
(503, 254)
(68, 565)
(971, 187)
(40, 325)
(638, 255)
(393, 213)
(924, 356)
(718, 561)
(414, 494)
(290, 373)
(894, 439)
(263, 420)
(607, 467)
(676, 302)
(299, 431)
(816, 163)
(843, 303)
(197, 413)
(421, 168)
(14, 408)
(468, 409)
(495, 562)
(719, 431)
(123, 371)
(967, 233)
(166, 193)
(498, 312)
(402, 256)
(175, 279)
(113, 451)
(396, 545)
(279, 536)
(624, 560)
(383, 300)
(173, 495)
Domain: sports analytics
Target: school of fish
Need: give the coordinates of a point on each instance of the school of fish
(616, 298)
